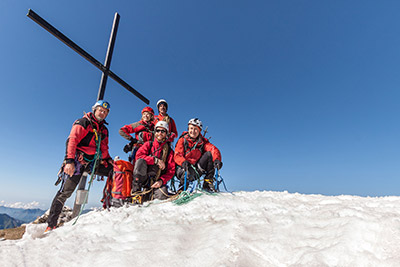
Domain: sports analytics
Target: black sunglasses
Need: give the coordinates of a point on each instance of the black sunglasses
(160, 130)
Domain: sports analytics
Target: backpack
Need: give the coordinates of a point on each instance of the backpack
(118, 185)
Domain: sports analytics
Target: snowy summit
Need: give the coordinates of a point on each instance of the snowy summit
(239, 229)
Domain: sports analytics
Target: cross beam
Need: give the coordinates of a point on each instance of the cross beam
(104, 68)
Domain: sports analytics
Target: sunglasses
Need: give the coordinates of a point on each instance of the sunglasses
(160, 130)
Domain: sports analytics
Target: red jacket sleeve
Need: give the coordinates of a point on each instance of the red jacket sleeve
(143, 153)
(170, 168)
(179, 156)
(104, 145)
(173, 128)
(76, 135)
(126, 131)
(216, 154)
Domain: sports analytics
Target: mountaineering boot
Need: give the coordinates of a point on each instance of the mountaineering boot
(208, 185)
(136, 186)
(48, 229)
(137, 200)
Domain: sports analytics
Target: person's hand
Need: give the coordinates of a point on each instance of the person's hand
(69, 169)
(217, 164)
(185, 165)
(105, 162)
(128, 147)
(157, 184)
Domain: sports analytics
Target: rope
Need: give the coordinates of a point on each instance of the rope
(185, 197)
(188, 195)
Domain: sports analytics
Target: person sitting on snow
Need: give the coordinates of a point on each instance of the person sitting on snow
(154, 165)
(162, 107)
(82, 150)
(196, 156)
(143, 130)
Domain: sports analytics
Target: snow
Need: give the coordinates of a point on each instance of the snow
(239, 229)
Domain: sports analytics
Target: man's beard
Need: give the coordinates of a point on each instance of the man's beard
(98, 119)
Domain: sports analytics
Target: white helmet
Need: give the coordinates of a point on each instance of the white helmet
(196, 122)
(162, 124)
(162, 101)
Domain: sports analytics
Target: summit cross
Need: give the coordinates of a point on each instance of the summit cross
(104, 68)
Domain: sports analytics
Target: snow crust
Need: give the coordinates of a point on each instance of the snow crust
(239, 229)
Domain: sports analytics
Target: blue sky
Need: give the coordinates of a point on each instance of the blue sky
(298, 95)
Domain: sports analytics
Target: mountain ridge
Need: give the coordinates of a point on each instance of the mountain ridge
(23, 215)
(7, 221)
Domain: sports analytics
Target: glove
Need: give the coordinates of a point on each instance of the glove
(185, 165)
(217, 164)
(128, 147)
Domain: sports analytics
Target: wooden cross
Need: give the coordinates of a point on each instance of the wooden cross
(104, 68)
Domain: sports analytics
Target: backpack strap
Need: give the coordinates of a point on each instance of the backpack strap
(146, 126)
(186, 145)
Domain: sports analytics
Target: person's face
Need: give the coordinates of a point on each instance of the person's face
(146, 116)
(101, 113)
(161, 134)
(162, 108)
(194, 131)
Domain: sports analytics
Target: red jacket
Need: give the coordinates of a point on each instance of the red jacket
(143, 131)
(191, 150)
(82, 138)
(171, 125)
(153, 149)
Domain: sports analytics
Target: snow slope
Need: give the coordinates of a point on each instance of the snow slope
(240, 229)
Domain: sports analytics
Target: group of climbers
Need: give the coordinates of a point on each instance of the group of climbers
(150, 152)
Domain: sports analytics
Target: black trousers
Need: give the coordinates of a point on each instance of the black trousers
(205, 165)
(142, 175)
(68, 187)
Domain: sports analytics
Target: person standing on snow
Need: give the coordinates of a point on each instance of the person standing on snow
(154, 165)
(87, 140)
(143, 130)
(196, 156)
(162, 107)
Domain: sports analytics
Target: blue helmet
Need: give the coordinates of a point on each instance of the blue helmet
(101, 103)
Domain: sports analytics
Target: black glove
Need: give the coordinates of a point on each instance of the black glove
(128, 147)
(185, 165)
(217, 164)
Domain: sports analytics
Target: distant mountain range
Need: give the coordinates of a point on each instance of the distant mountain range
(19, 215)
(9, 222)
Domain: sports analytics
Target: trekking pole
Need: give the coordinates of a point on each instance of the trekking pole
(216, 185)
(218, 180)
(205, 132)
(184, 185)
